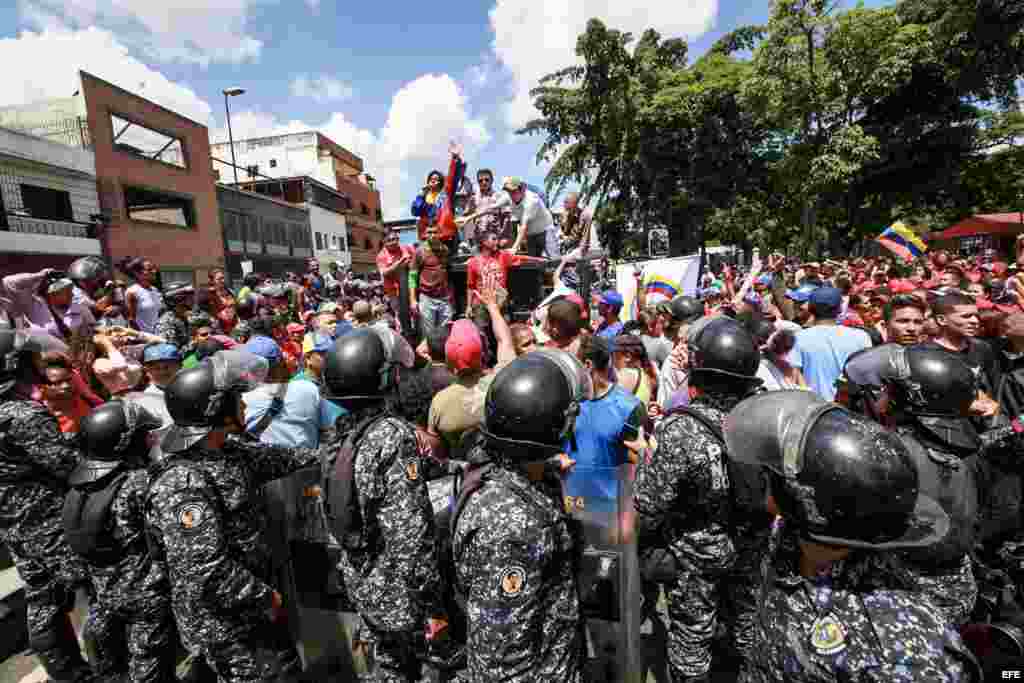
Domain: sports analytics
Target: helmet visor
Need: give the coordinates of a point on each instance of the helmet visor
(238, 370)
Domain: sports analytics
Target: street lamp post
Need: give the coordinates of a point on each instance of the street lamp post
(231, 92)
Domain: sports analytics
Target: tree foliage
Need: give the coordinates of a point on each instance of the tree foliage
(807, 133)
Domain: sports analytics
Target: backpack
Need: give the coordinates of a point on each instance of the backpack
(86, 520)
(341, 503)
(748, 495)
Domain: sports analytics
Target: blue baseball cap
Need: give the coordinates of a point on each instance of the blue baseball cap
(264, 347)
(158, 352)
(612, 298)
(802, 293)
(826, 296)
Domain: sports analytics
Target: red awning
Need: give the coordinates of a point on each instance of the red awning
(984, 224)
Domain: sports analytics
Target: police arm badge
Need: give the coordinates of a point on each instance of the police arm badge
(512, 581)
(192, 516)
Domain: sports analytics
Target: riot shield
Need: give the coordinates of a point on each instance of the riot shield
(601, 500)
(305, 554)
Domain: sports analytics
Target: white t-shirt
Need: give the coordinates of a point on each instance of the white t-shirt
(149, 303)
(531, 209)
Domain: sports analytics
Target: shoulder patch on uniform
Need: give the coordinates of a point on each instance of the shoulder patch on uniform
(513, 581)
(192, 515)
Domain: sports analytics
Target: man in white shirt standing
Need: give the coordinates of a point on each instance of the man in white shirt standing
(536, 225)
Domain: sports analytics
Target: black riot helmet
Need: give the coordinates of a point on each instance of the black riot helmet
(840, 478)
(723, 354)
(202, 398)
(357, 367)
(928, 381)
(362, 365)
(863, 377)
(110, 434)
(534, 401)
(88, 270)
(933, 389)
(685, 309)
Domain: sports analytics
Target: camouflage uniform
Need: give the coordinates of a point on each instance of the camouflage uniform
(1000, 551)
(886, 635)
(391, 571)
(515, 552)
(35, 461)
(133, 599)
(206, 518)
(173, 329)
(683, 502)
(943, 571)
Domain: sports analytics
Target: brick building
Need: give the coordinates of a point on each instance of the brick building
(155, 183)
(155, 186)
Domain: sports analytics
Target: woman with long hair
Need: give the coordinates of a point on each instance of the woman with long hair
(143, 299)
(220, 297)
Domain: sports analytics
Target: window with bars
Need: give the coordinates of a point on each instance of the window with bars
(253, 238)
(302, 242)
(233, 225)
(276, 238)
(46, 202)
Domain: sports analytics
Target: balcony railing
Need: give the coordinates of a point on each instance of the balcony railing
(46, 226)
(72, 132)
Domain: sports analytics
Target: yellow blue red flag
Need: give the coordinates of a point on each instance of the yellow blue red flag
(902, 241)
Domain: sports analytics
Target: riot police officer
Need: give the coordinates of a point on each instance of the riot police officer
(206, 521)
(848, 493)
(929, 393)
(105, 523)
(514, 546)
(35, 463)
(685, 503)
(378, 504)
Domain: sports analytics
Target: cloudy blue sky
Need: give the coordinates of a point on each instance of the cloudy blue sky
(393, 81)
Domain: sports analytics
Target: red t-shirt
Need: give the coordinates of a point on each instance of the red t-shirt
(384, 260)
(484, 272)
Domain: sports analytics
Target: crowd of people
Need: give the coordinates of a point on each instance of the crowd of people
(823, 457)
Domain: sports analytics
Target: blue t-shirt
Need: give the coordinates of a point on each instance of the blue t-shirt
(601, 427)
(610, 332)
(821, 352)
(299, 422)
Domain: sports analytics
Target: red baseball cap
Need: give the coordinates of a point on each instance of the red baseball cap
(464, 349)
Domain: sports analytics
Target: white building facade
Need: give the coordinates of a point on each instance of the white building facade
(50, 204)
(330, 236)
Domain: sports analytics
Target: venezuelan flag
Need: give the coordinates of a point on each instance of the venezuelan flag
(901, 240)
(660, 285)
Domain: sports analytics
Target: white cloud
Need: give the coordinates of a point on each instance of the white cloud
(424, 116)
(189, 31)
(534, 39)
(321, 88)
(93, 50)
